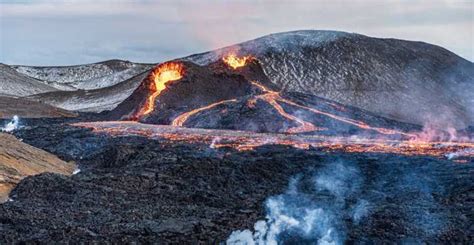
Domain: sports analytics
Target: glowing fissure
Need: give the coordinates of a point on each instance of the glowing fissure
(271, 98)
(162, 74)
(181, 119)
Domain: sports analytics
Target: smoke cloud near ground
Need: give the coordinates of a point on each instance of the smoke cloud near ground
(297, 215)
(12, 125)
(335, 203)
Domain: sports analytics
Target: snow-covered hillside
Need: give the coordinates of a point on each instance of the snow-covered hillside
(95, 100)
(16, 84)
(85, 77)
(409, 81)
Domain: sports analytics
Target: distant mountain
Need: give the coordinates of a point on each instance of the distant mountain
(95, 100)
(13, 83)
(86, 77)
(409, 81)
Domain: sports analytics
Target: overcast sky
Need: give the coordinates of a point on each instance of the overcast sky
(49, 32)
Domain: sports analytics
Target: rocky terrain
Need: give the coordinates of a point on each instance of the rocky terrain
(92, 87)
(96, 100)
(189, 193)
(19, 160)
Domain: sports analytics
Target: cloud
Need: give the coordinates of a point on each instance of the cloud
(169, 29)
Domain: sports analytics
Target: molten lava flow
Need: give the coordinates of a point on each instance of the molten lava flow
(271, 97)
(181, 119)
(162, 74)
(235, 62)
(356, 123)
(243, 140)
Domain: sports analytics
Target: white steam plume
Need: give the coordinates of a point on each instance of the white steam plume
(12, 125)
(298, 215)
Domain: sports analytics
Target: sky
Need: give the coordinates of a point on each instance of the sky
(49, 32)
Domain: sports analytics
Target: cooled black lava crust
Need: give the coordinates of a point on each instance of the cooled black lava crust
(137, 189)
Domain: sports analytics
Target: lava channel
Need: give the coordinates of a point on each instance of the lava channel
(181, 119)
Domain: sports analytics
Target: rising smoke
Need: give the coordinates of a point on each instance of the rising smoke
(347, 200)
(310, 210)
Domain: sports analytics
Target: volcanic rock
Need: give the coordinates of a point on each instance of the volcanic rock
(189, 193)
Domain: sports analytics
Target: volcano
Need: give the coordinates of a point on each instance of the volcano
(298, 137)
(224, 96)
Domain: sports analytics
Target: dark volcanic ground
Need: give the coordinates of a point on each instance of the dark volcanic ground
(137, 189)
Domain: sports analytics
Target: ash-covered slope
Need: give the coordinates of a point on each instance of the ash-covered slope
(85, 77)
(409, 81)
(26, 108)
(96, 100)
(13, 83)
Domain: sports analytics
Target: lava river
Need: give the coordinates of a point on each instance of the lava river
(244, 140)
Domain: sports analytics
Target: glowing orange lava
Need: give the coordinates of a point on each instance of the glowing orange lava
(235, 62)
(356, 123)
(181, 119)
(162, 74)
(273, 97)
(244, 141)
